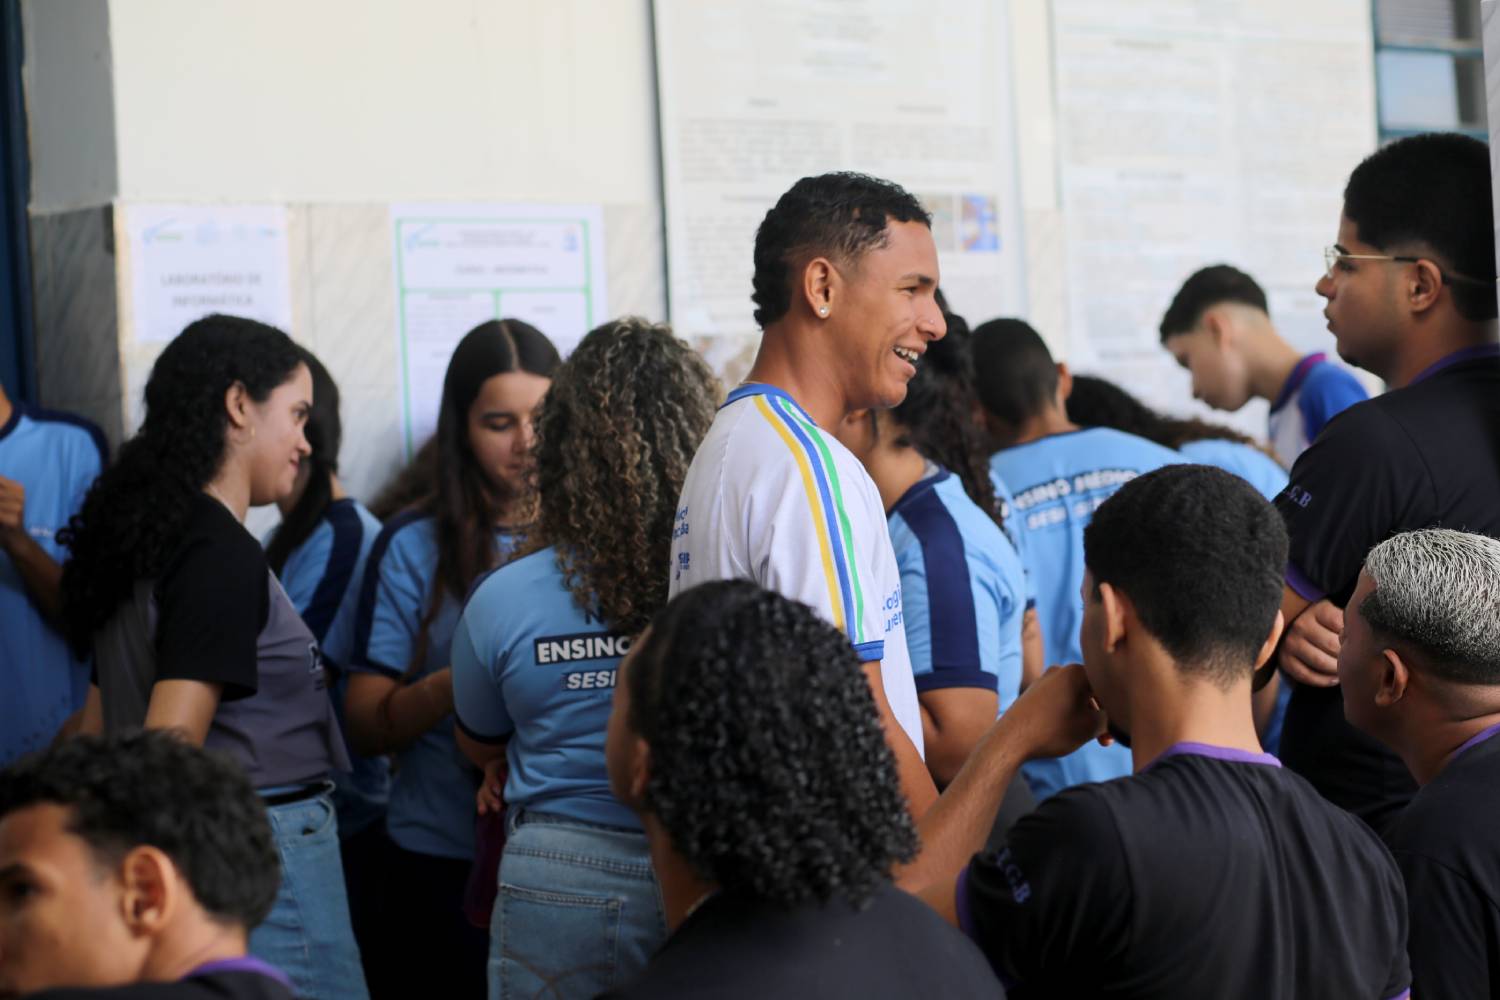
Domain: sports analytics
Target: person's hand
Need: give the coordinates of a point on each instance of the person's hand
(12, 510)
(1309, 652)
(1057, 714)
(491, 789)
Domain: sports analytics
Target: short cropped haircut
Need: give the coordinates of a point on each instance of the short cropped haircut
(1206, 288)
(1200, 554)
(149, 788)
(1014, 374)
(840, 216)
(1432, 189)
(769, 768)
(1438, 590)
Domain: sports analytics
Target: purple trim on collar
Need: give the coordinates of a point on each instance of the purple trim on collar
(1457, 358)
(918, 488)
(1305, 588)
(1475, 740)
(961, 905)
(1296, 378)
(1215, 752)
(245, 963)
(1403, 995)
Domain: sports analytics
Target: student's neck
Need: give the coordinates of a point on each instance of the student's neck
(895, 471)
(1271, 361)
(6, 409)
(1187, 711)
(1427, 349)
(178, 954)
(682, 891)
(1045, 424)
(799, 373)
(231, 489)
(1438, 742)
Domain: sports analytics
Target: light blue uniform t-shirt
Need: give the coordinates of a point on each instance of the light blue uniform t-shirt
(1057, 482)
(533, 668)
(1246, 461)
(56, 458)
(431, 809)
(322, 576)
(963, 591)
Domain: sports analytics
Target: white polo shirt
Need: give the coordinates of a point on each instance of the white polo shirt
(770, 497)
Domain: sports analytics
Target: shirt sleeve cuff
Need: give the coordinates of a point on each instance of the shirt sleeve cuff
(957, 678)
(869, 652)
(1304, 587)
(961, 905)
(477, 736)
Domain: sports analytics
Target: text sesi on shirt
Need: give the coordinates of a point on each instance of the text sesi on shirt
(772, 498)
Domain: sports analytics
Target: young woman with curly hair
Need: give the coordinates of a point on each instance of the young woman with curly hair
(400, 696)
(191, 631)
(963, 587)
(745, 735)
(534, 659)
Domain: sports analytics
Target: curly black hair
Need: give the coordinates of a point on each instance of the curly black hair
(838, 215)
(151, 788)
(937, 415)
(614, 439)
(131, 521)
(769, 768)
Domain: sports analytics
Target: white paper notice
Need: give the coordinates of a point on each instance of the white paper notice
(460, 265)
(1192, 134)
(755, 94)
(187, 261)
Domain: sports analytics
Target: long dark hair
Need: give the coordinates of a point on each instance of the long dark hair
(937, 415)
(616, 435)
(1097, 402)
(324, 433)
(132, 519)
(463, 502)
(409, 485)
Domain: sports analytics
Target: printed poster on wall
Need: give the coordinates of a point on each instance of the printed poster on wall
(459, 265)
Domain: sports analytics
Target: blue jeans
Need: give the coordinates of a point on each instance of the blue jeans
(308, 935)
(579, 910)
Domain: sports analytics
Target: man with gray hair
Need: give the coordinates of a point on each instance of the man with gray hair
(1420, 671)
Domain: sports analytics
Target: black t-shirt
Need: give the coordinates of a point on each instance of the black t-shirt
(231, 983)
(1447, 844)
(1424, 456)
(218, 615)
(896, 947)
(1211, 873)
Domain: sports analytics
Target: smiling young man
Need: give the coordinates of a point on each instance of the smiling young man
(1410, 286)
(133, 868)
(846, 273)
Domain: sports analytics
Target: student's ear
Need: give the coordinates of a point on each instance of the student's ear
(1394, 677)
(1064, 383)
(237, 405)
(1424, 286)
(1218, 328)
(1268, 647)
(150, 891)
(1117, 609)
(819, 281)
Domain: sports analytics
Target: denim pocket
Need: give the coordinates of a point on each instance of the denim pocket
(554, 944)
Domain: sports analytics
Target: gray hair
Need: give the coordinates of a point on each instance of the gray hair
(1439, 590)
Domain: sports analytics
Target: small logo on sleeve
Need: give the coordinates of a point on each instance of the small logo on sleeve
(1298, 496)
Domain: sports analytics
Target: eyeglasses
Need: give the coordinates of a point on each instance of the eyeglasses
(1332, 255)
